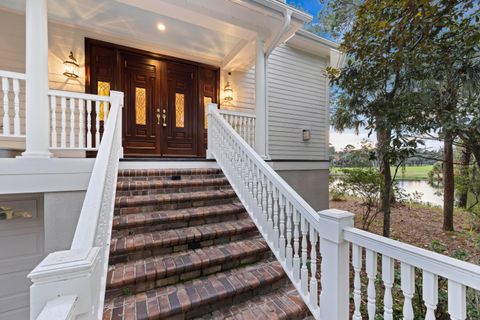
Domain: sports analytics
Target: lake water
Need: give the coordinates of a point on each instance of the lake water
(428, 193)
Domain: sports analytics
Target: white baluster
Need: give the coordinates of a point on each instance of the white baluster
(72, 123)
(275, 217)
(313, 266)
(430, 293)
(289, 252)
(16, 103)
(63, 133)
(281, 242)
(97, 124)
(457, 306)
(89, 124)
(81, 124)
(270, 211)
(304, 271)
(388, 277)
(296, 245)
(53, 131)
(264, 204)
(371, 268)
(6, 116)
(408, 289)
(357, 284)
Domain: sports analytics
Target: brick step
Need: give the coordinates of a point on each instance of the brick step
(155, 272)
(168, 174)
(281, 304)
(172, 219)
(156, 186)
(170, 201)
(200, 296)
(144, 245)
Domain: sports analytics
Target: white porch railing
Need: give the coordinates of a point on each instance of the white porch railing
(79, 274)
(243, 123)
(302, 240)
(76, 118)
(12, 97)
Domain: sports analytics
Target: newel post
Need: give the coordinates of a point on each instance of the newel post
(212, 107)
(117, 102)
(334, 299)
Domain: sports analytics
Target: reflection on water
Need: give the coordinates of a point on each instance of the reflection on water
(428, 193)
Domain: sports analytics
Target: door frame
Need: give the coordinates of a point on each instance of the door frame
(116, 81)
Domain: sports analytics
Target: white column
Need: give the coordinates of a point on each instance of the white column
(36, 87)
(260, 99)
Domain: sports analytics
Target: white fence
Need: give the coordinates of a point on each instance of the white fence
(314, 248)
(13, 86)
(243, 123)
(72, 283)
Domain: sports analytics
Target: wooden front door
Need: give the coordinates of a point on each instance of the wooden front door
(165, 98)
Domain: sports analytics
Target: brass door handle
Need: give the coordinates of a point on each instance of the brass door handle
(164, 117)
(158, 116)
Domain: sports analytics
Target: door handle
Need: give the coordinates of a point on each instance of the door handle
(164, 117)
(158, 116)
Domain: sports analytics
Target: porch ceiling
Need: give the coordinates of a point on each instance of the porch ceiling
(218, 32)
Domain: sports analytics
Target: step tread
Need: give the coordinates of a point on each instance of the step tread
(124, 274)
(132, 201)
(123, 244)
(159, 184)
(184, 297)
(157, 217)
(280, 304)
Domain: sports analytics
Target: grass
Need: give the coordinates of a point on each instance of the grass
(404, 173)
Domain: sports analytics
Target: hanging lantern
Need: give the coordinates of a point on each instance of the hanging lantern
(228, 91)
(71, 67)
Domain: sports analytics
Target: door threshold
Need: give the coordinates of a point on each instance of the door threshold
(167, 163)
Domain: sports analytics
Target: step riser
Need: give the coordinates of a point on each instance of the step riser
(172, 278)
(172, 206)
(146, 191)
(221, 217)
(180, 246)
(169, 177)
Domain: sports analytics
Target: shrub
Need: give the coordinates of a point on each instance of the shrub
(365, 184)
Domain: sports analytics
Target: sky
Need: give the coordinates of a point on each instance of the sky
(337, 139)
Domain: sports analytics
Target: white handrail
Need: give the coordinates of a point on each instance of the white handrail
(81, 271)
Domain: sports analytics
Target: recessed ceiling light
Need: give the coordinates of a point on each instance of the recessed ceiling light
(161, 27)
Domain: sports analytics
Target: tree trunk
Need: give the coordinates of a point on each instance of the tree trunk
(383, 142)
(448, 184)
(463, 197)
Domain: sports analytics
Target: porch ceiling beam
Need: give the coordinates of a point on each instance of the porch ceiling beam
(198, 15)
(234, 53)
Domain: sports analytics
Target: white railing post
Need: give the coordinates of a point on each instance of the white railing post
(36, 89)
(117, 102)
(260, 99)
(65, 273)
(334, 299)
(211, 108)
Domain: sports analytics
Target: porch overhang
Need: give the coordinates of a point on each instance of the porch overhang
(216, 32)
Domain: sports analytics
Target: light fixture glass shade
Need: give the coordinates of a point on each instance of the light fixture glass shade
(71, 67)
(228, 92)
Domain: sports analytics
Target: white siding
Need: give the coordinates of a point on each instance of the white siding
(243, 85)
(297, 99)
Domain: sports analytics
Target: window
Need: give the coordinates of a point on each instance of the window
(140, 106)
(179, 110)
(103, 89)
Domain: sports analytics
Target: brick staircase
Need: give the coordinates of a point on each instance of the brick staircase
(183, 247)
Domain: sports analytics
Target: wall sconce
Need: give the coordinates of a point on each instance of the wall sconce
(71, 67)
(306, 134)
(228, 91)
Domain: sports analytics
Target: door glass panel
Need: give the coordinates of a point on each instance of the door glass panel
(103, 89)
(140, 106)
(179, 110)
(206, 102)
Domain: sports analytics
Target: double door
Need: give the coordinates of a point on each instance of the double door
(161, 116)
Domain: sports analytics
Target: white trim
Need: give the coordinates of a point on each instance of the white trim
(298, 165)
(167, 164)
